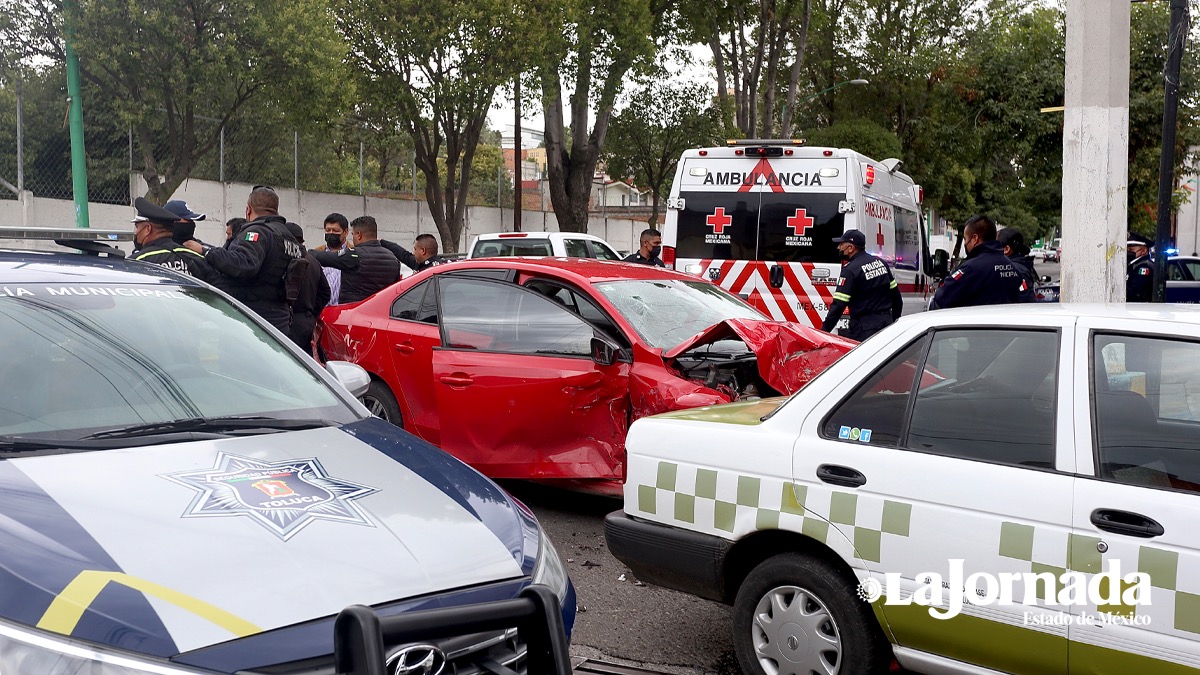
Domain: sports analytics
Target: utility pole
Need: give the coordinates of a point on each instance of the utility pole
(1095, 151)
(78, 158)
(517, 147)
(1166, 166)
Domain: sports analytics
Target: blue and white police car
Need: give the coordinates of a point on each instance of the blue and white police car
(182, 491)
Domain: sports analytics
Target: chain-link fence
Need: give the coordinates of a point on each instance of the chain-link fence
(259, 148)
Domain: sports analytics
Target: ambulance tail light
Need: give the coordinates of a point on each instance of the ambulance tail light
(870, 175)
(828, 153)
(668, 256)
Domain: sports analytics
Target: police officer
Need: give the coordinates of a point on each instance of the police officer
(312, 296)
(986, 277)
(651, 248)
(424, 254)
(254, 267)
(1139, 280)
(153, 228)
(1018, 254)
(367, 268)
(867, 287)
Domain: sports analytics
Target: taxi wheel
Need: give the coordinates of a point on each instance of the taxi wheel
(382, 403)
(796, 615)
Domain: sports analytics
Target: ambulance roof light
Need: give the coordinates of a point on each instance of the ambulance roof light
(764, 141)
(870, 175)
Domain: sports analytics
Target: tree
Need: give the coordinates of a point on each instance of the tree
(648, 137)
(594, 45)
(168, 65)
(438, 66)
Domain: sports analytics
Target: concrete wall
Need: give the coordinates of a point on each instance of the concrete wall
(399, 220)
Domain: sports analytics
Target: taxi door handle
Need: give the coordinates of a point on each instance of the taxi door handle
(841, 475)
(457, 380)
(1127, 523)
(405, 348)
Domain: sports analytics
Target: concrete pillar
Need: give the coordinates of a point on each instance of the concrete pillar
(1096, 151)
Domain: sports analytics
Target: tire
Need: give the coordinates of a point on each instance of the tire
(797, 615)
(382, 403)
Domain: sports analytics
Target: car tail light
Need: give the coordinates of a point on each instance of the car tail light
(508, 235)
(668, 256)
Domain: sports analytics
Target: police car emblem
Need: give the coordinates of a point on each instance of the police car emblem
(283, 496)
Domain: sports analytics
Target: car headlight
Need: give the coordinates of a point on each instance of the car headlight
(549, 569)
(693, 269)
(28, 652)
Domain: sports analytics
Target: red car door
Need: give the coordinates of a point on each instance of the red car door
(412, 333)
(518, 394)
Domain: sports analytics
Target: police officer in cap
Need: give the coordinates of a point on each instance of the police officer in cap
(254, 267)
(986, 277)
(152, 232)
(1139, 280)
(866, 287)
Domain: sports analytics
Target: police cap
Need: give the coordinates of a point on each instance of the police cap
(1138, 240)
(148, 210)
(852, 237)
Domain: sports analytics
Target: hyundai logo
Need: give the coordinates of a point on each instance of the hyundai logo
(417, 660)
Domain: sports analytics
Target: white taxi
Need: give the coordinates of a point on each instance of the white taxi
(1011, 489)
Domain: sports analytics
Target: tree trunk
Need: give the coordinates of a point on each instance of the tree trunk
(801, 49)
(653, 220)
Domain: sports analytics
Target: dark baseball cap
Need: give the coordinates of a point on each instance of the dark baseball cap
(148, 210)
(296, 231)
(852, 237)
(180, 209)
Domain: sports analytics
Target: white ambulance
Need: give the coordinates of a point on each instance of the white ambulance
(758, 218)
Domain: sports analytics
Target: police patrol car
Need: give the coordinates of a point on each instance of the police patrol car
(182, 491)
(986, 490)
(758, 218)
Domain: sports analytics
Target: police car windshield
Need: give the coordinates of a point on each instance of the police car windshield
(665, 312)
(82, 359)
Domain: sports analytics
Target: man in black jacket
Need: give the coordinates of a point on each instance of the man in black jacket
(986, 277)
(254, 267)
(867, 287)
(367, 268)
(152, 232)
(312, 297)
(1139, 280)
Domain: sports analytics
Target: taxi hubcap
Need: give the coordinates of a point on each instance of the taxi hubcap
(794, 634)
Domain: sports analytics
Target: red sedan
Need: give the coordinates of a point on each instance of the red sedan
(534, 368)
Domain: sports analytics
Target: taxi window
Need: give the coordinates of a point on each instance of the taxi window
(1146, 408)
(993, 399)
(874, 413)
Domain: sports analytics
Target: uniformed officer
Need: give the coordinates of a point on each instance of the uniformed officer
(866, 287)
(153, 228)
(1139, 280)
(423, 256)
(986, 277)
(650, 249)
(1018, 254)
(254, 267)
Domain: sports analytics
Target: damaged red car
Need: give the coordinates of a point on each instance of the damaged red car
(534, 368)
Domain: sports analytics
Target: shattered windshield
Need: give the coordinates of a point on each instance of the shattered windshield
(666, 312)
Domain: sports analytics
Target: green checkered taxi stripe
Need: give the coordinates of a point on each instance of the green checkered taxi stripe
(758, 496)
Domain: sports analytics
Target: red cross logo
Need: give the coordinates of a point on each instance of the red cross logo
(879, 237)
(800, 222)
(718, 221)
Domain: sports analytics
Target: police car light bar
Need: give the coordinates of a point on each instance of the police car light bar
(86, 240)
(764, 141)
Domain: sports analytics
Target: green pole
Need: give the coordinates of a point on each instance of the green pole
(78, 159)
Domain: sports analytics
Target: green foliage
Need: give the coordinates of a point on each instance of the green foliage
(860, 135)
(648, 137)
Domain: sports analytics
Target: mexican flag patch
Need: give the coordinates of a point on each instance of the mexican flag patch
(251, 236)
(1144, 271)
(957, 274)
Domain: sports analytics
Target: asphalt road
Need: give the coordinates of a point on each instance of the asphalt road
(620, 619)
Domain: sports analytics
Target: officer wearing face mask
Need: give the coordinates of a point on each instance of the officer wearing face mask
(649, 251)
(153, 228)
(867, 287)
(1139, 280)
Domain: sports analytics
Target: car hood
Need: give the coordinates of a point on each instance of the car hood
(171, 548)
(789, 354)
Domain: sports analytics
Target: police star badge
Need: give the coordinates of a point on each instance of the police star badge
(283, 496)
